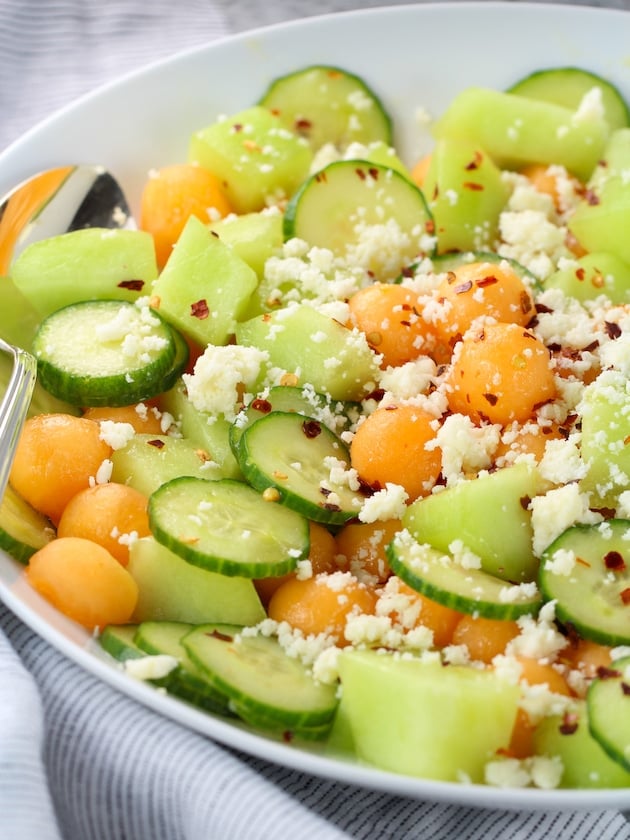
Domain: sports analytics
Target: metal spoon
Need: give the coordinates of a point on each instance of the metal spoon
(52, 202)
(58, 201)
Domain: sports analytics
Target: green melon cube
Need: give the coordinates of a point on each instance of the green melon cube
(466, 194)
(256, 157)
(204, 287)
(422, 719)
(300, 339)
(86, 264)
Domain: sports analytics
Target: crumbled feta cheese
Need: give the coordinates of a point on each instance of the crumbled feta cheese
(388, 503)
(151, 667)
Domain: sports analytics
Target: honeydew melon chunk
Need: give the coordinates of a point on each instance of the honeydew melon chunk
(489, 515)
(334, 359)
(602, 225)
(253, 236)
(614, 161)
(466, 194)
(421, 719)
(599, 273)
(204, 286)
(517, 131)
(210, 432)
(147, 461)
(170, 589)
(605, 413)
(256, 157)
(585, 764)
(85, 264)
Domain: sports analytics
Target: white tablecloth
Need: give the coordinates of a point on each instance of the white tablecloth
(78, 760)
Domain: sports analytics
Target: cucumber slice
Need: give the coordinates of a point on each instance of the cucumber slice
(289, 452)
(328, 105)
(290, 398)
(592, 589)
(22, 529)
(344, 203)
(104, 352)
(567, 85)
(227, 527)
(472, 591)
(608, 704)
(269, 688)
(118, 641)
(186, 681)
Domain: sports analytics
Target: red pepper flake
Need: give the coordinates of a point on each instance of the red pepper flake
(159, 444)
(222, 637)
(612, 330)
(526, 303)
(311, 428)
(591, 198)
(525, 502)
(614, 561)
(132, 285)
(625, 596)
(488, 280)
(361, 174)
(451, 277)
(377, 394)
(330, 506)
(303, 124)
(625, 689)
(321, 177)
(374, 173)
(580, 274)
(569, 724)
(264, 406)
(429, 226)
(605, 673)
(473, 187)
(475, 163)
(491, 398)
(626, 440)
(463, 287)
(287, 736)
(199, 309)
(237, 127)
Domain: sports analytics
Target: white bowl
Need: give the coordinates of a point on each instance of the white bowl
(414, 57)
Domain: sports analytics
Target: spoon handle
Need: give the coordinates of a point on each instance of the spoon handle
(14, 406)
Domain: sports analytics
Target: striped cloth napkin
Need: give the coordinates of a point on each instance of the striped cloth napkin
(79, 760)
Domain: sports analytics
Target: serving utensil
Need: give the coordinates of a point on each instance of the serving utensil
(52, 202)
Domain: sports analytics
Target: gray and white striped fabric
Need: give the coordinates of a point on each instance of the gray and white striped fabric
(78, 760)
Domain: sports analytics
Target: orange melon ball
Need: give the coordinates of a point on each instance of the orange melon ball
(57, 456)
(83, 581)
(111, 515)
(501, 373)
(321, 554)
(321, 604)
(390, 446)
(361, 548)
(433, 615)
(475, 290)
(485, 638)
(145, 418)
(174, 193)
(389, 315)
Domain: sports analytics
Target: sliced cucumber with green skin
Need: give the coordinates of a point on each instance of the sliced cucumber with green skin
(227, 527)
(471, 591)
(568, 85)
(289, 398)
(591, 589)
(328, 105)
(288, 452)
(608, 704)
(186, 681)
(270, 689)
(341, 203)
(118, 641)
(104, 352)
(23, 530)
